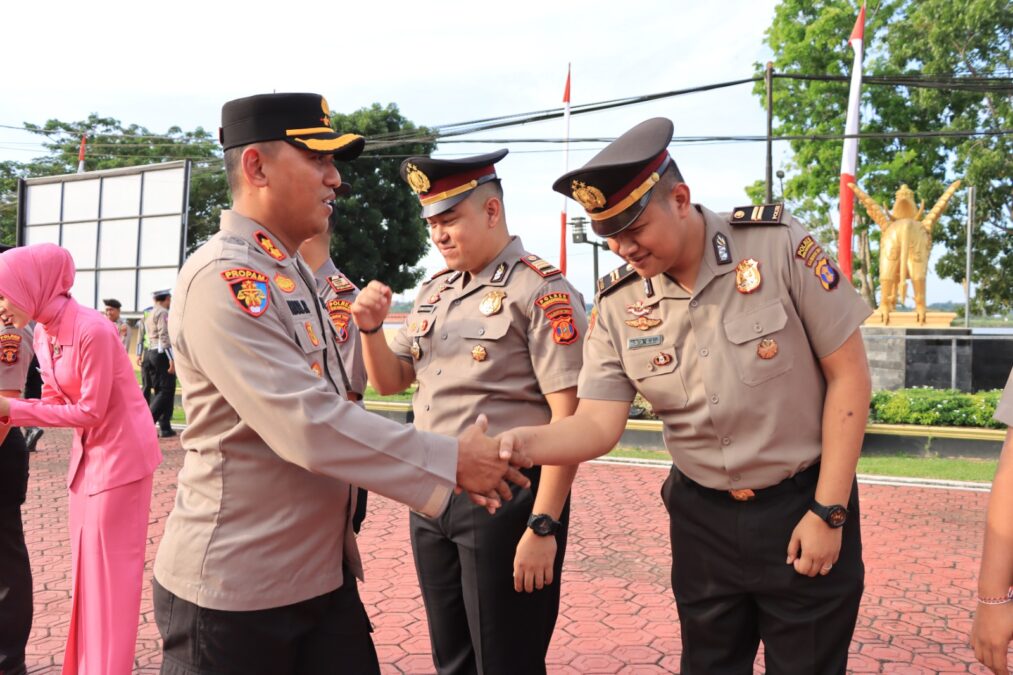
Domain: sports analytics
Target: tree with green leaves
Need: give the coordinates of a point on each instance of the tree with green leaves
(936, 46)
(380, 234)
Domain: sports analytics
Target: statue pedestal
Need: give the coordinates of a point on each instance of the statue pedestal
(907, 320)
(901, 357)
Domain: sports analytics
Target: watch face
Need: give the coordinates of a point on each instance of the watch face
(542, 525)
(837, 516)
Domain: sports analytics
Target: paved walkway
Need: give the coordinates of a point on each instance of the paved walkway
(617, 614)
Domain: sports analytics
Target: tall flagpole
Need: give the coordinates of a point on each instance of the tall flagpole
(849, 157)
(80, 156)
(566, 167)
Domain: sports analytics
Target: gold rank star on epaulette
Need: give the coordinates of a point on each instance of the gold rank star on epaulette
(613, 279)
(758, 214)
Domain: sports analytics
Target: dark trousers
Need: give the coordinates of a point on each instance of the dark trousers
(733, 588)
(478, 623)
(15, 571)
(325, 635)
(33, 381)
(163, 384)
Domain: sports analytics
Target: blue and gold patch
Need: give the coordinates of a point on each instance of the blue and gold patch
(828, 276)
(250, 290)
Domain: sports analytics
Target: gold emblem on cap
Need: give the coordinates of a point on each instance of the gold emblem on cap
(589, 196)
(326, 119)
(479, 353)
(418, 180)
(767, 349)
(492, 303)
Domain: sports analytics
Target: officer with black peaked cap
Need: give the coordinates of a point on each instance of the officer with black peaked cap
(744, 337)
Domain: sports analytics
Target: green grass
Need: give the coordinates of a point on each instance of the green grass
(904, 466)
(405, 395)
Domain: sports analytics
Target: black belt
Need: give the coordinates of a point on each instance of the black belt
(803, 479)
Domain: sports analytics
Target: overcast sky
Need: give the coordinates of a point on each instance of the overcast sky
(160, 64)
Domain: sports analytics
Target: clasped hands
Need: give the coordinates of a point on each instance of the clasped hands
(486, 466)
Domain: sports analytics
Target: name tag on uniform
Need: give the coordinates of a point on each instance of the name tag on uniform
(639, 342)
(426, 309)
(298, 307)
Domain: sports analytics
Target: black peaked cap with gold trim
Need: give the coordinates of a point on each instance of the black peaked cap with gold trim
(441, 184)
(615, 185)
(304, 120)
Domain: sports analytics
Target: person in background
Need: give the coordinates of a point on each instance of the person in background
(992, 631)
(88, 385)
(158, 366)
(16, 356)
(112, 312)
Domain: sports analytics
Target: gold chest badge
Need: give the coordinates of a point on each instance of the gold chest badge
(767, 349)
(416, 349)
(747, 276)
(479, 353)
(284, 283)
(492, 303)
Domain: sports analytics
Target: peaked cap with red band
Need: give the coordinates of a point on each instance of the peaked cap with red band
(304, 120)
(615, 186)
(441, 184)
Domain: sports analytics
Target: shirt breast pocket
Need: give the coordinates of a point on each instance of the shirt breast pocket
(310, 335)
(656, 375)
(481, 337)
(759, 346)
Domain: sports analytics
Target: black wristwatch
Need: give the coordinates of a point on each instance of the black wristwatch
(834, 515)
(543, 525)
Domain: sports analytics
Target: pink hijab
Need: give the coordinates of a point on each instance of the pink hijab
(37, 279)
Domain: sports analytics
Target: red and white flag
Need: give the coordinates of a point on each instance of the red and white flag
(566, 167)
(80, 156)
(849, 159)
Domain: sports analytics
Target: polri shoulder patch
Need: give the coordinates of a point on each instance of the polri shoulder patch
(544, 269)
(614, 279)
(339, 284)
(10, 347)
(250, 289)
(758, 214)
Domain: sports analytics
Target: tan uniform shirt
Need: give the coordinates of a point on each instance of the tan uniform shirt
(157, 329)
(493, 344)
(734, 376)
(262, 511)
(123, 328)
(338, 293)
(1004, 409)
(16, 353)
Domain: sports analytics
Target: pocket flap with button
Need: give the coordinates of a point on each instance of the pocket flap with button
(490, 329)
(757, 323)
(646, 363)
(309, 334)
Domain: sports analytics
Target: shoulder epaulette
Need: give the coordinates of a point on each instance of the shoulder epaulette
(757, 214)
(339, 284)
(445, 270)
(614, 279)
(542, 267)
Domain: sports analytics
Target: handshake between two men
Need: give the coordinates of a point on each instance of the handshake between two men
(485, 466)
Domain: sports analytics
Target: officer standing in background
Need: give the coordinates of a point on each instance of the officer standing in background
(159, 366)
(140, 350)
(112, 311)
(744, 337)
(498, 332)
(16, 355)
(256, 571)
(338, 293)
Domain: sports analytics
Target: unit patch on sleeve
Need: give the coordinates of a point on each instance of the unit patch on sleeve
(265, 242)
(340, 312)
(543, 268)
(10, 347)
(340, 284)
(559, 312)
(249, 289)
(828, 276)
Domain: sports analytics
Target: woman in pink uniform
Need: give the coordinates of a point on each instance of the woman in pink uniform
(89, 385)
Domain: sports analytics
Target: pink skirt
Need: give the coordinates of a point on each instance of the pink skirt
(108, 535)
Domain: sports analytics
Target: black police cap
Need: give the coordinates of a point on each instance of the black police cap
(304, 120)
(615, 185)
(443, 183)
(112, 302)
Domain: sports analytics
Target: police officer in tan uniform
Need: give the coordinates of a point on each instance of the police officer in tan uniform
(255, 573)
(744, 336)
(499, 331)
(992, 631)
(16, 354)
(338, 293)
(158, 365)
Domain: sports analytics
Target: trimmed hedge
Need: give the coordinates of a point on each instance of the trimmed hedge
(921, 405)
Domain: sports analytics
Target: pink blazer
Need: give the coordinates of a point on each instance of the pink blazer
(89, 384)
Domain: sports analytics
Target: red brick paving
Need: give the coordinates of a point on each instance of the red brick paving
(617, 613)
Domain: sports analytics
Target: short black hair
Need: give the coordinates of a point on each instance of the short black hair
(112, 302)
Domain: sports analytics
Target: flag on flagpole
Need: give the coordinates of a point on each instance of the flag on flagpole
(849, 158)
(566, 167)
(80, 156)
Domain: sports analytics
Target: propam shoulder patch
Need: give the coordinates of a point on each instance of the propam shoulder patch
(250, 289)
(614, 279)
(758, 214)
(544, 268)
